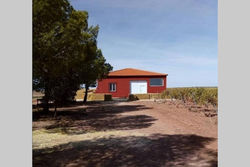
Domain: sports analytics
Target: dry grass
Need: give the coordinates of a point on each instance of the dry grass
(80, 93)
(92, 96)
(145, 96)
(43, 138)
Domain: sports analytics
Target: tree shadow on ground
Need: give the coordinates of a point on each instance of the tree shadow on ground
(79, 103)
(133, 151)
(95, 118)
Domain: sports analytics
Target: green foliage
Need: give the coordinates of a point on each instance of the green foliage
(197, 95)
(65, 52)
(132, 97)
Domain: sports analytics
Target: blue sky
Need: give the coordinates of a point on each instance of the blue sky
(177, 37)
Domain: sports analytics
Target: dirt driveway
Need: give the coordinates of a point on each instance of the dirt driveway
(119, 134)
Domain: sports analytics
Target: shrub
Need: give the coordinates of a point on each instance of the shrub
(132, 97)
(197, 95)
(107, 97)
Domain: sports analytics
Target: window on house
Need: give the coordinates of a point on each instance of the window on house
(156, 82)
(112, 87)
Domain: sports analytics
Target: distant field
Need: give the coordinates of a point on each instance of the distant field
(37, 95)
(206, 87)
(79, 94)
(199, 95)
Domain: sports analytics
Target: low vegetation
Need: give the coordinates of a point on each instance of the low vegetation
(198, 95)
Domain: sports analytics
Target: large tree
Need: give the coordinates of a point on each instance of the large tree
(49, 18)
(64, 48)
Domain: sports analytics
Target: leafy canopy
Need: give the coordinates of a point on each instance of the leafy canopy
(65, 52)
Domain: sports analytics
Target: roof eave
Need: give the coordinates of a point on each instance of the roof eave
(138, 75)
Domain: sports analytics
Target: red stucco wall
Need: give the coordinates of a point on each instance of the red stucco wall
(123, 85)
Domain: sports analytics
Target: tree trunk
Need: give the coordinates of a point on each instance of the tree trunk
(86, 93)
(46, 100)
(55, 109)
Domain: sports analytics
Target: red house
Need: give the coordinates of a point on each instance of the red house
(127, 81)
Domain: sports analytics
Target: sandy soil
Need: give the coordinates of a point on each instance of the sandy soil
(138, 133)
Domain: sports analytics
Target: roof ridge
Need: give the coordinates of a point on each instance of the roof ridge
(135, 70)
(146, 71)
(121, 69)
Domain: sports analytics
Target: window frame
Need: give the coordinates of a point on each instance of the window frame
(162, 83)
(115, 86)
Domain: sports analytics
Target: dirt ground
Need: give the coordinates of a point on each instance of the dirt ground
(132, 134)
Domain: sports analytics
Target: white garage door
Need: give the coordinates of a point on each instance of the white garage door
(138, 87)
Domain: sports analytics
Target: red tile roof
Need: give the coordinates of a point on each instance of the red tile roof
(134, 72)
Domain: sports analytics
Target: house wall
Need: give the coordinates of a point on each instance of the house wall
(123, 85)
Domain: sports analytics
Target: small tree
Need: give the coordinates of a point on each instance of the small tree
(99, 69)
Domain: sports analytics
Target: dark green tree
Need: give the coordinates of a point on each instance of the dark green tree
(63, 50)
(49, 19)
(95, 66)
(98, 69)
